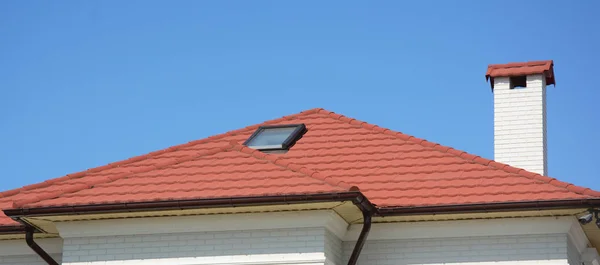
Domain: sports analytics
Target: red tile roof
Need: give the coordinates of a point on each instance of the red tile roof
(391, 168)
(520, 69)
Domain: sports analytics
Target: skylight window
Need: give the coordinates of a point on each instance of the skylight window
(277, 137)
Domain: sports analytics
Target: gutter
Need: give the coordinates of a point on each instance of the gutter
(353, 196)
(36, 248)
(12, 229)
(489, 207)
(357, 198)
(368, 210)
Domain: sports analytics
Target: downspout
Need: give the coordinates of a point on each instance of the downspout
(368, 210)
(35, 247)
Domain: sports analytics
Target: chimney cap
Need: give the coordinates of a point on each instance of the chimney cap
(519, 69)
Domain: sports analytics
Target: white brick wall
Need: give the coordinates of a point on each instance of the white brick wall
(16, 251)
(32, 259)
(525, 249)
(520, 124)
(300, 245)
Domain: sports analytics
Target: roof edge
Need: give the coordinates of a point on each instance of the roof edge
(490, 207)
(8, 193)
(521, 64)
(136, 159)
(354, 196)
(87, 185)
(464, 155)
(12, 229)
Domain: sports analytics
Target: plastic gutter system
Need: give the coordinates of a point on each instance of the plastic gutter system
(12, 229)
(367, 208)
(36, 248)
(489, 207)
(354, 195)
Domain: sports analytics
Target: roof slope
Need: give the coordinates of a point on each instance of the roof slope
(392, 169)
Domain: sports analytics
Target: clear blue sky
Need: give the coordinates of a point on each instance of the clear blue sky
(85, 83)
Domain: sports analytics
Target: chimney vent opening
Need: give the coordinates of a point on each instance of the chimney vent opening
(517, 82)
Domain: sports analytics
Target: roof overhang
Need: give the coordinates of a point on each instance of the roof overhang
(354, 196)
(343, 203)
(127, 207)
(349, 204)
(11, 229)
(490, 207)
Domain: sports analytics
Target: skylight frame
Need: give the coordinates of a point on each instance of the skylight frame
(294, 136)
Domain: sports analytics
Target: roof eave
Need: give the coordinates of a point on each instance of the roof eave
(491, 207)
(12, 229)
(355, 196)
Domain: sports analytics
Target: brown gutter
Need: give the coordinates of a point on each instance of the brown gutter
(354, 196)
(12, 229)
(36, 248)
(368, 210)
(489, 207)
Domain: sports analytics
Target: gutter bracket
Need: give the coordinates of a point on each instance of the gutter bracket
(29, 230)
(368, 210)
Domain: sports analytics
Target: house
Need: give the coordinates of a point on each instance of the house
(319, 188)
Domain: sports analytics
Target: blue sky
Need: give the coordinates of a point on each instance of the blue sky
(85, 83)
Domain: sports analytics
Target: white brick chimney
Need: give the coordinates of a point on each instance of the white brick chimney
(520, 113)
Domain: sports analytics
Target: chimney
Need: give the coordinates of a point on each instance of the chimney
(520, 113)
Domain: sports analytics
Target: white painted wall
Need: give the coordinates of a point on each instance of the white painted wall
(573, 255)
(520, 124)
(333, 248)
(590, 256)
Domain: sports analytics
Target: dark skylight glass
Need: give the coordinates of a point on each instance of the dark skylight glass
(277, 137)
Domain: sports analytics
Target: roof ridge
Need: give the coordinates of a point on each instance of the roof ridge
(464, 155)
(80, 174)
(520, 64)
(293, 167)
(105, 180)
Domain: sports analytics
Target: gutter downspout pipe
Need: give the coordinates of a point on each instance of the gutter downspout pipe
(368, 210)
(36, 248)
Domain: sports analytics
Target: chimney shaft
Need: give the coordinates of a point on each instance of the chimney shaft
(520, 113)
